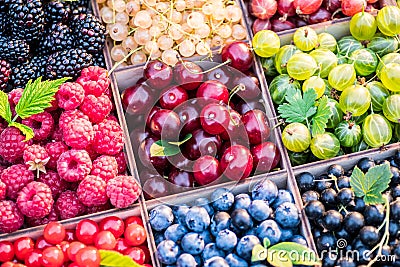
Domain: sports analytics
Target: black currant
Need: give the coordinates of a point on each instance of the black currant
(346, 262)
(365, 163)
(332, 220)
(328, 197)
(343, 182)
(364, 255)
(345, 196)
(395, 180)
(374, 215)
(395, 210)
(305, 181)
(369, 235)
(326, 241)
(329, 259)
(357, 243)
(396, 157)
(396, 191)
(309, 196)
(394, 163)
(343, 234)
(314, 209)
(322, 185)
(335, 170)
(353, 222)
(359, 204)
(394, 229)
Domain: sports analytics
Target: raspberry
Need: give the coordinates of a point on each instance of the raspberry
(108, 138)
(112, 118)
(13, 98)
(12, 144)
(74, 165)
(92, 191)
(16, 177)
(70, 95)
(42, 125)
(52, 217)
(3, 189)
(53, 107)
(121, 161)
(105, 167)
(36, 157)
(57, 134)
(96, 108)
(35, 200)
(11, 218)
(94, 80)
(55, 149)
(96, 209)
(54, 181)
(68, 205)
(78, 133)
(69, 115)
(123, 191)
(93, 154)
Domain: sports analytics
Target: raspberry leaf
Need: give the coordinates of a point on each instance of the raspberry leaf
(28, 132)
(115, 259)
(5, 110)
(37, 96)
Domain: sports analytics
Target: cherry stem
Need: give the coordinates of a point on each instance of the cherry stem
(206, 71)
(124, 59)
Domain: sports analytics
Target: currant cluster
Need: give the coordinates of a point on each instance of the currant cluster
(158, 29)
(223, 135)
(79, 247)
(342, 222)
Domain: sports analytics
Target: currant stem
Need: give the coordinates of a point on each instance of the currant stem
(124, 59)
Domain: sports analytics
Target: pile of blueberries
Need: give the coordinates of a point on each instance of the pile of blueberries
(222, 231)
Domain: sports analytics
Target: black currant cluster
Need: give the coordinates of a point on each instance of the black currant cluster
(346, 230)
(53, 39)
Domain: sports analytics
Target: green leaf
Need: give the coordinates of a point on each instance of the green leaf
(279, 258)
(187, 137)
(321, 118)
(116, 259)
(266, 242)
(259, 253)
(298, 108)
(167, 148)
(372, 184)
(37, 96)
(5, 110)
(298, 254)
(27, 131)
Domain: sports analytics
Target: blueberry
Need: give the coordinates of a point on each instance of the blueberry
(287, 215)
(332, 220)
(222, 199)
(205, 203)
(216, 262)
(394, 229)
(211, 250)
(258, 265)
(345, 196)
(168, 252)
(395, 210)
(283, 196)
(161, 217)
(241, 219)
(286, 234)
(365, 164)
(259, 210)
(158, 237)
(175, 232)
(220, 221)
(226, 240)
(197, 219)
(369, 235)
(343, 182)
(239, 232)
(335, 170)
(269, 229)
(198, 260)
(305, 181)
(374, 215)
(207, 236)
(314, 209)
(309, 196)
(346, 262)
(299, 240)
(265, 190)
(242, 201)
(251, 231)
(180, 213)
(245, 246)
(186, 260)
(193, 243)
(326, 241)
(328, 197)
(359, 204)
(235, 261)
(353, 222)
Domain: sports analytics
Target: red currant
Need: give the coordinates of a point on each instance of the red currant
(74, 248)
(88, 256)
(33, 258)
(6, 251)
(22, 246)
(70, 235)
(54, 233)
(136, 254)
(133, 220)
(86, 231)
(105, 240)
(64, 245)
(146, 252)
(41, 243)
(8, 264)
(52, 257)
(135, 235)
(73, 264)
(121, 245)
(113, 224)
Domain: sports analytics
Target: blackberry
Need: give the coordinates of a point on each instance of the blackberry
(78, 3)
(56, 11)
(30, 70)
(5, 71)
(27, 19)
(90, 33)
(67, 63)
(99, 60)
(14, 50)
(59, 38)
(4, 23)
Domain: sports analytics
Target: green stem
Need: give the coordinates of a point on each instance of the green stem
(15, 118)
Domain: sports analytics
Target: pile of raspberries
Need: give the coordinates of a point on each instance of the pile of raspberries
(75, 163)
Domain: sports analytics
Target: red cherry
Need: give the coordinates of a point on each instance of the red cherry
(136, 254)
(88, 256)
(54, 232)
(149, 116)
(206, 170)
(235, 130)
(6, 251)
(172, 97)
(22, 246)
(86, 230)
(237, 162)
(138, 99)
(266, 156)
(64, 245)
(210, 90)
(242, 107)
(113, 224)
(181, 179)
(105, 240)
(188, 75)
(256, 125)
(202, 143)
(52, 257)
(74, 248)
(160, 164)
(158, 74)
(261, 24)
(249, 85)
(189, 115)
(41, 243)
(165, 124)
(33, 258)
(214, 118)
(135, 235)
(70, 235)
(222, 74)
(121, 245)
(239, 55)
